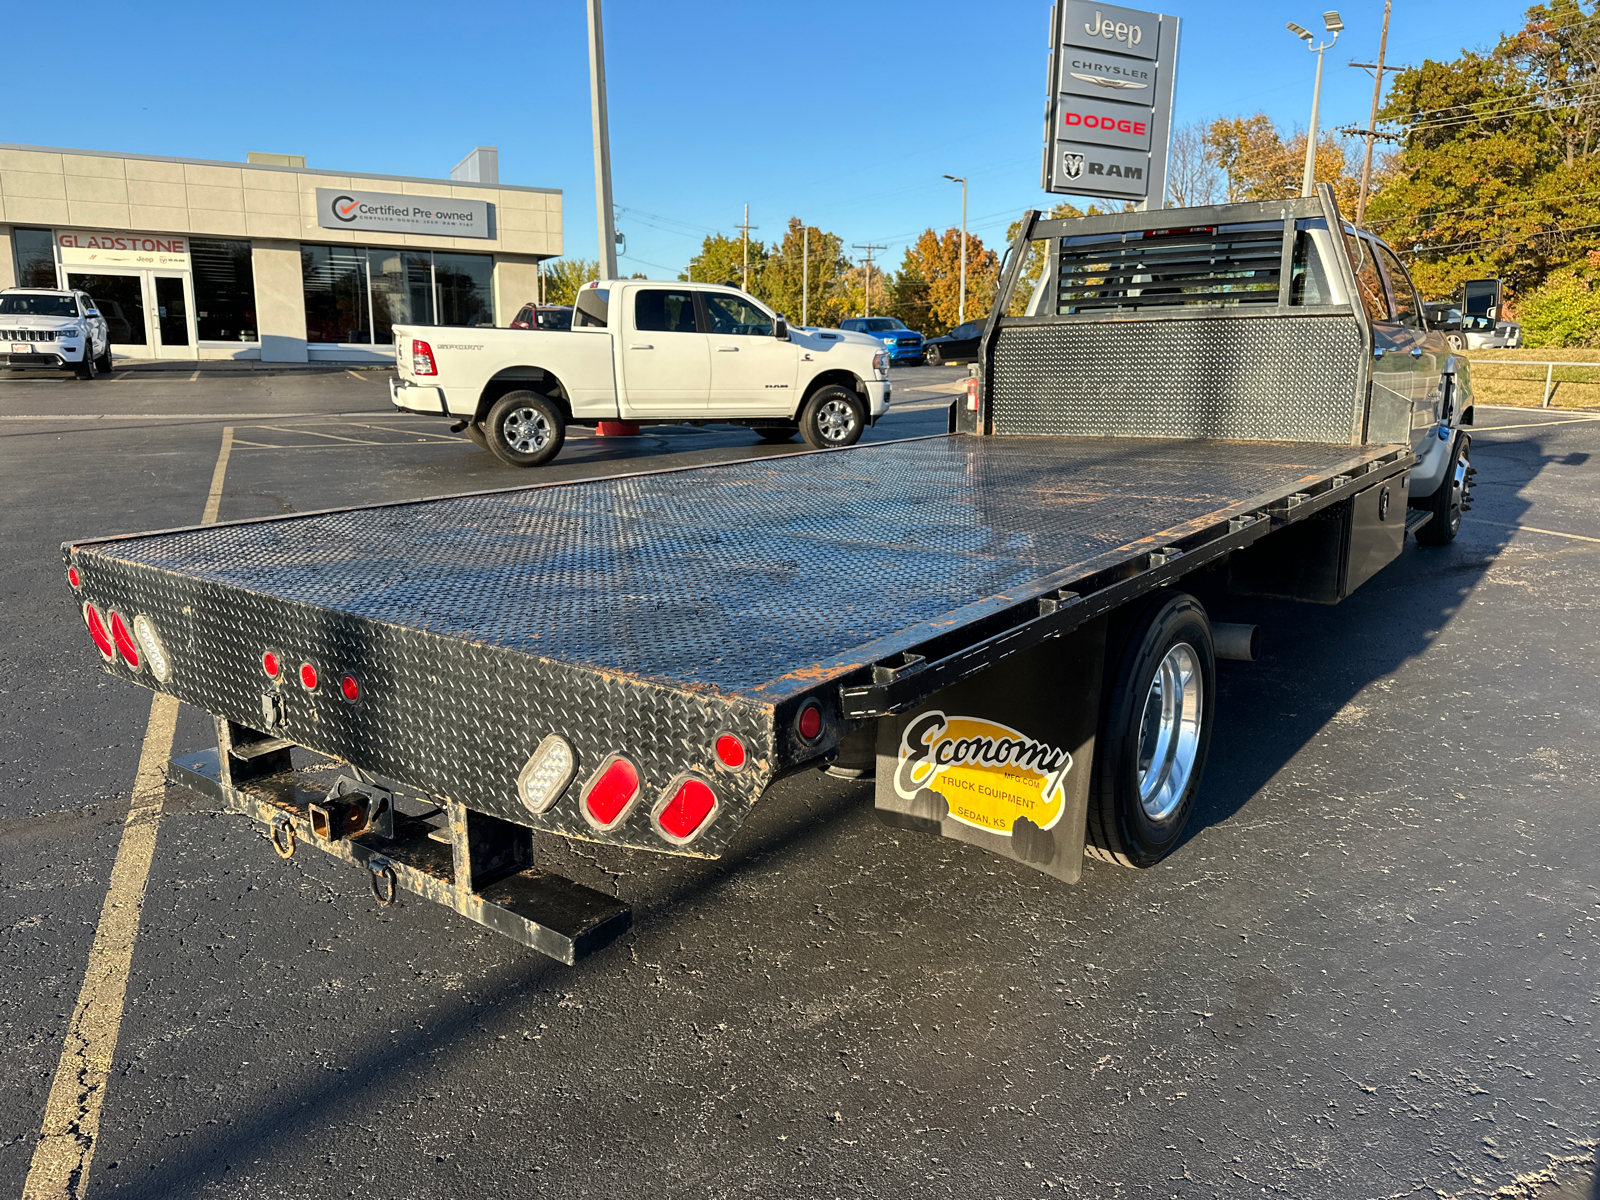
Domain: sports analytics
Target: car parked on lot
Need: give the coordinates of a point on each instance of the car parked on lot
(960, 345)
(543, 316)
(54, 329)
(903, 345)
(1471, 332)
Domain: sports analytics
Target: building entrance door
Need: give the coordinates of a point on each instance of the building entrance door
(149, 313)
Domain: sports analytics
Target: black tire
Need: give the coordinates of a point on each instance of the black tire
(104, 361)
(934, 356)
(476, 436)
(87, 367)
(524, 429)
(833, 417)
(1163, 651)
(1449, 499)
(778, 435)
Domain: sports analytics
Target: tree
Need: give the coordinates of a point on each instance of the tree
(929, 283)
(1499, 168)
(1259, 164)
(564, 276)
(1192, 176)
(806, 254)
(1564, 310)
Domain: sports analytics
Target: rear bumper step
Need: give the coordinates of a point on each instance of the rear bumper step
(483, 869)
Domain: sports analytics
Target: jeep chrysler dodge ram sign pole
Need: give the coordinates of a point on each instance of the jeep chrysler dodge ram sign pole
(1109, 115)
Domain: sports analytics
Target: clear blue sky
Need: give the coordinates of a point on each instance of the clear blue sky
(845, 114)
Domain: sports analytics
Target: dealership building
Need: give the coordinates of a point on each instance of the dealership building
(267, 259)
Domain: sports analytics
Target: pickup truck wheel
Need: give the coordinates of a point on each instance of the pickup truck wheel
(1456, 341)
(525, 429)
(1154, 733)
(834, 416)
(778, 435)
(1449, 499)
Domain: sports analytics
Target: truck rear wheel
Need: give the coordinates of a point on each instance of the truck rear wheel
(524, 429)
(833, 417)
(1154, 733)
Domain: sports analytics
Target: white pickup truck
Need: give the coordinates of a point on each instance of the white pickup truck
(646, 353)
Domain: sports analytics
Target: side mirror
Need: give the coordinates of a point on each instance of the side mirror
(780, 329)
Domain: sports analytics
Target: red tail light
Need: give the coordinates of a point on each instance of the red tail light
(124, 641)
(972, 395)
(97, 630)
(269, 663)
(810, 721)
(73, 578)
(611, 793)
(350, 688)
(308, 677)
(688, 810)
(422, 358)
(730, 752)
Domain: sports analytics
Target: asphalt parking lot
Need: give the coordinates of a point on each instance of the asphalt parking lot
(1370, 971)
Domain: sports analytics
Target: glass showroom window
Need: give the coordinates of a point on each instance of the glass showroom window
(224, 290)
(36, 258)
(357, 295)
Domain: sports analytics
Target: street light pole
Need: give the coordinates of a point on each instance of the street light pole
(602, 145)
(805, 273)
(1334, 24)
(961, 306)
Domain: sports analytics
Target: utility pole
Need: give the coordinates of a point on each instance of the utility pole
(961, 306)
(602, 145)
(869, 248)
(747, 227)
(805, 272)
(1372, 124)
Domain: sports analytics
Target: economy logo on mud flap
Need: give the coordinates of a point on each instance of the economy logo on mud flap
(989, 774)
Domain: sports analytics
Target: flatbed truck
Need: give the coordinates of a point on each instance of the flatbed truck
(1004, 624)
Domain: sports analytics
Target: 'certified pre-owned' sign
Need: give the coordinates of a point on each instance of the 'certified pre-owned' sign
(343, 209)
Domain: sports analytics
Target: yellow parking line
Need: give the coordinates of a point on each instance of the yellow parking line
(195, 377)
(71, 1125)
(1577, 537)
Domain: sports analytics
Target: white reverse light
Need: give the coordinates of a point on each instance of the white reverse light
(548, 774)
(144, 632)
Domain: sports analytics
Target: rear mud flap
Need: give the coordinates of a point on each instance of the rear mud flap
(1002, 760)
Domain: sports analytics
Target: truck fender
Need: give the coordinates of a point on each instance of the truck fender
(516, 379)
(824, 379)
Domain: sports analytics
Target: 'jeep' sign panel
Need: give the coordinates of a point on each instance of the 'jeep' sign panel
(344, 208)
(1112, 72)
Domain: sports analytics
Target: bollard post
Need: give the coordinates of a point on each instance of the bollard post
(1549, 370)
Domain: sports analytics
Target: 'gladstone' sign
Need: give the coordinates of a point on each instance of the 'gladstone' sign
(339, 208)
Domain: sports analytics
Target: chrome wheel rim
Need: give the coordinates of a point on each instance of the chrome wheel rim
(1169, 732)
(836, 420)
(526, 430)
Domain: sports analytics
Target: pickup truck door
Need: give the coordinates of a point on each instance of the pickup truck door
(752, 372)
(1395, 370)
(666, 361)
(1427, 351)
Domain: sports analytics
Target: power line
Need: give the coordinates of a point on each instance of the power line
(1502, 240)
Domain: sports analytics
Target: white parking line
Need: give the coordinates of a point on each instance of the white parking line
(71, 1125)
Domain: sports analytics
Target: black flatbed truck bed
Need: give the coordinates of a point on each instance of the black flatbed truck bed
(500, 652)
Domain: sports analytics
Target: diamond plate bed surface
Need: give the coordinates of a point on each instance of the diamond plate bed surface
(733, 576)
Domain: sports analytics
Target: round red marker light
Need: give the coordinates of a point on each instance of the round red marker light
(350, 688)
(308, 677)
(810, 722)
(73, 577)
(97, 630)
(124, 641)
(730, 751)
(269, 663)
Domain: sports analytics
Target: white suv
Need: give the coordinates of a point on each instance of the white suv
(43, 327)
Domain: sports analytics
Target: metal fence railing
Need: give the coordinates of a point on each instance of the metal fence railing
(1550, 368)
